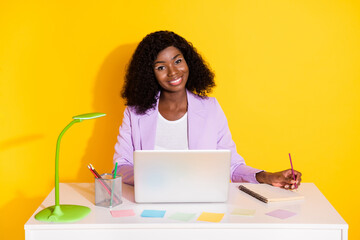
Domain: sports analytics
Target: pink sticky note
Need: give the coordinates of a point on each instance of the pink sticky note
(280, 213)
(123, 213)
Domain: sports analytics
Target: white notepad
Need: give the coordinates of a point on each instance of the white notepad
(267, 193)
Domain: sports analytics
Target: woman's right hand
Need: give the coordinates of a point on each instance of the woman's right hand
(283, 179)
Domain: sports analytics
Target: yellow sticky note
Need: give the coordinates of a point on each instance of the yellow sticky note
(244, 212)
(210, 217)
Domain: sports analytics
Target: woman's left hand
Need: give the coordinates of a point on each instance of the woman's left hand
(283, 179)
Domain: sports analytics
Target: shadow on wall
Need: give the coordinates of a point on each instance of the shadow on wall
(107, 99)
(15, 213)
(13, 220)
(15, 142)
(100, 148)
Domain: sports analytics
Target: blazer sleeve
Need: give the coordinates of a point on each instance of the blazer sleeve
(239, 171)
(124, 149)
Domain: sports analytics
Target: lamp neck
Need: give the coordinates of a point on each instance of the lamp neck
(57, 197)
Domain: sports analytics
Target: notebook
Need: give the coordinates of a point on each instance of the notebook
(181, 175)
(267, 193)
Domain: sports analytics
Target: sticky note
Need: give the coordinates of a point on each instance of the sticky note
(185, 217)
(243, 212)
(210, 217)
(123, 213)
(280, 213)
(153, 213)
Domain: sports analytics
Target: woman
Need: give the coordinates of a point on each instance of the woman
(166, 89)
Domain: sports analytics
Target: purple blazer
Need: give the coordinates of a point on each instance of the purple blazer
(207, 129)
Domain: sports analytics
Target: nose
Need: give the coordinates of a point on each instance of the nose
(172, 70)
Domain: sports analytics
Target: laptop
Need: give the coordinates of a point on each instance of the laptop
(181, 175)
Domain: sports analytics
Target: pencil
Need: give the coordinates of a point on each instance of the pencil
(97, 174)
(292, 169)
(93, 171)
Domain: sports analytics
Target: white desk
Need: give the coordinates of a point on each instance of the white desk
(315, 219)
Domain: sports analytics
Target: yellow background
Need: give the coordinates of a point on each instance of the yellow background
(287, 75)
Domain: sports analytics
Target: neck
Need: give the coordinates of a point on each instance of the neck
(172, 106)
(173, 100)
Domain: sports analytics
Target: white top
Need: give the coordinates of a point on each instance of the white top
(171, 135)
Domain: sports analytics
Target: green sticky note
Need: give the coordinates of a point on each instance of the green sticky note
(210, 217)
(243, 212)
(182, 216)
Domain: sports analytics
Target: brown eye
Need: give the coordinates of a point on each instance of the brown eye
(160, 68)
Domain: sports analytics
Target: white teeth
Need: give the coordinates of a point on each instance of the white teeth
(176, 80)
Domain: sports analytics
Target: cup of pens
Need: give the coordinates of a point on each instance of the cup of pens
(107, 188)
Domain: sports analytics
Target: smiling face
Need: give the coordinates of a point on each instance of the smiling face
(171, 70)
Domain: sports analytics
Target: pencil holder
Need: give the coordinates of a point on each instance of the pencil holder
(108, 190)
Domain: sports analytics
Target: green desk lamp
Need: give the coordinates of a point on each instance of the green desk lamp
(65, 213)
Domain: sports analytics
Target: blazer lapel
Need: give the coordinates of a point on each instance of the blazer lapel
(196, 119)
(147, 125)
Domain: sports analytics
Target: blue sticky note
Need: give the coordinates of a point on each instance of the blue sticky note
(153, 213)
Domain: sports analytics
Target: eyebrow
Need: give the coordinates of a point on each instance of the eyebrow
(171, 59)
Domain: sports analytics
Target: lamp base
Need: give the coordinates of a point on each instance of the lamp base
(63, 213)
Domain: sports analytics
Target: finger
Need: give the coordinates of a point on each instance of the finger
(298, 177)
(287, 173)
(297, 172)
(289, 180)
(283, 184)
(278, 185)
(288, 187)
(291, 176)
(297, 184)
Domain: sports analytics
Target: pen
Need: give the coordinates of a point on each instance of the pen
(292, 169)
(113, 185)
(116, 164)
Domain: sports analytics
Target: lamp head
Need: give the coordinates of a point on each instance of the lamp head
(87, 116)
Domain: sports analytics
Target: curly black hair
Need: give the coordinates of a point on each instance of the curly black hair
(141, 87)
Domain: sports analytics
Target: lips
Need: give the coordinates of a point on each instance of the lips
(176, 82)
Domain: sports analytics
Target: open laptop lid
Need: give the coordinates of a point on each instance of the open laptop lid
(181, 175)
